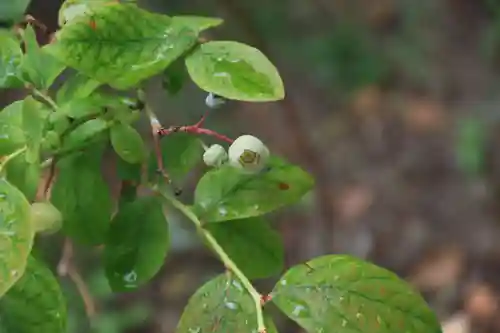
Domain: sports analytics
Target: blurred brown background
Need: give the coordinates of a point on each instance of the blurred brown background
(393, 106)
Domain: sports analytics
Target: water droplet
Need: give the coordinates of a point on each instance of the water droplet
(222, 211)
(344, 323)
(194, 330)
(237, 285)
(358, 315)
(231, 305)
(283, 282)
(222, 74)
(298, 309)
(130, 279)
(13, 273)
(220, 59)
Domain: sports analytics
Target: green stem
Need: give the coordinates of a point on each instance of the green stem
(47, 99)
(226, 260)
(8, 158)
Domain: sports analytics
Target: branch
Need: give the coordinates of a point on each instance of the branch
(155, 132)
(224, 257)
(46, 98)
(194, 129)
(67, 268)
(8, 158)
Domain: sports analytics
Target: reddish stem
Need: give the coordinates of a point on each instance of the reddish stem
(206, 131)
(194, 129)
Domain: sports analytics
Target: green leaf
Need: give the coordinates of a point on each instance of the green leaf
(34, 115)
(89, 106)
(34, 304)
(137, 244)
(174, 77)
(71, 9)
(252, 244)
(11, 127)
(13, 10)
(128, 143)
(10, 60)
(128, 171)
(24, 174)
(235, 71)
(197, 23)
(84, 133)
(83, 198)
(16, 234)
(121, 44)
(221, 305)
(181, 152)
(226, 194)
(77, 86)
(39, 67)
(340, 293)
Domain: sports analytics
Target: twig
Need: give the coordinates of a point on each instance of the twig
(66, 258)
(194, 129)
(224, 257)
(67, 268)
(47, 99)
(50, 178)
(6, 159)
(155, 132)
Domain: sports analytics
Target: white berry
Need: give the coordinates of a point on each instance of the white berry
(214, 101)
(215, 155)
(249, 154)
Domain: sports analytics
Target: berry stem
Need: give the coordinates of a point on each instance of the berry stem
(194, 129)
(224, 257)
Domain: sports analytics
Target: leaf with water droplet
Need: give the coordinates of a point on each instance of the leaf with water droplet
(127, 143)
(82, 196)
(235, 71)
(340, 293)
(255, 247)
(226, 194)
(72, 9)
(11, 128)
(137, 244)
(180, 154)
(16, 234)
(39, 67)
(197, 23)
(10, 60)
(121, 44)
(221, 305)
(35, 303)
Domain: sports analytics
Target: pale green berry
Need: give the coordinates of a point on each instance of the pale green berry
(46, 218)
(249, 154)
(215, 155)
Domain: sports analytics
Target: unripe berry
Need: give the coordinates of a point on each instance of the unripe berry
(45, 217)
(215, 155)
(249, 154)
